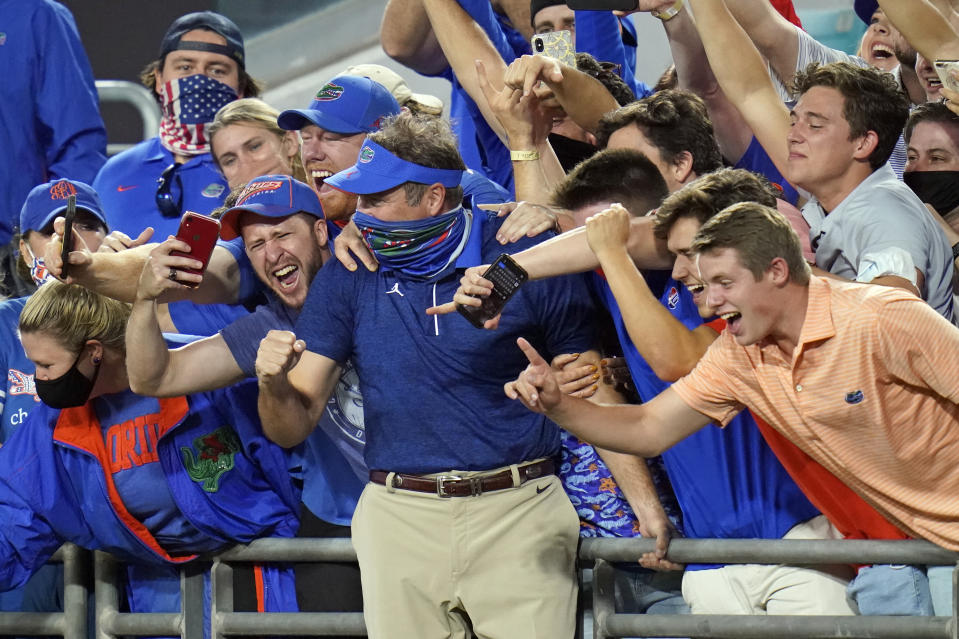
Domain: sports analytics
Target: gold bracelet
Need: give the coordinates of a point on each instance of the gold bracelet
(523, 156)
(669, 13)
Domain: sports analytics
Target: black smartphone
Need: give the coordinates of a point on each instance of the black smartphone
(507, 276)
(602, 5)
(66, 244)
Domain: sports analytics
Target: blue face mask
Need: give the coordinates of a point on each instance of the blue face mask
(421, 248)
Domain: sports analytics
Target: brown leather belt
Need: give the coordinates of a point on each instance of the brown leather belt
(456, 486)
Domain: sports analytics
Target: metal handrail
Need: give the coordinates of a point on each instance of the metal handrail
(140, 98)
(225, 622)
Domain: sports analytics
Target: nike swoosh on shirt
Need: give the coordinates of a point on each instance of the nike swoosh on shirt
(121, 188)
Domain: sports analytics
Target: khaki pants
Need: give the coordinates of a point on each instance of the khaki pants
(753, 589)
(502, 563)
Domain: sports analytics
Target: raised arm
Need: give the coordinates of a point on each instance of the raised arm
(152, 368)
(644, 429)
(695, 75)
(407, 37)
(570, 252)
(773, 35)
(116, 274)
(464, 41)
(583, 97)
(294, 387)
(670, 348)
(924, 27)
(743, 77)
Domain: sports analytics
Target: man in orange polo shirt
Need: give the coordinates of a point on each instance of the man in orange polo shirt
(860, 377)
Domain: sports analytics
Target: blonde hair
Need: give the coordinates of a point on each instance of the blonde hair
(72, 314)
(254, 112)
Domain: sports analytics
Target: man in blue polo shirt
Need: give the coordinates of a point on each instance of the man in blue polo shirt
(464, 525)
(201, 67)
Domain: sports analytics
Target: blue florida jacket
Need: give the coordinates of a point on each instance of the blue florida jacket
(226, 479)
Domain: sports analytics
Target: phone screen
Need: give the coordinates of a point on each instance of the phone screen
(507, 276)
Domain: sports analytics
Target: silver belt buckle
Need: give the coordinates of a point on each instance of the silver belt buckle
(441, 484)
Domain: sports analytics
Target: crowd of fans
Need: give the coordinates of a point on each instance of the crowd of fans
(739, 320)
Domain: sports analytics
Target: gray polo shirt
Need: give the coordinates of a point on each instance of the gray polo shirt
(883, 215)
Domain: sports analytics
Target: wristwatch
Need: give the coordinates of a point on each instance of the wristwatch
(955, 251)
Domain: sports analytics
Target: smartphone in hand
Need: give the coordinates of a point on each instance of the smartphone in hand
(201, 232)
(556, 44)
(66, 244)
(948, 72)
(507, 276)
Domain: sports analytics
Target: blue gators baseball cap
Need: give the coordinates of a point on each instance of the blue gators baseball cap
(211, 21)
(270, 196)
(864, 9)
(47, 201)
(347, 104)
(378, 170)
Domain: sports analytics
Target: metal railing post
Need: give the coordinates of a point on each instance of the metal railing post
(192, 606)
(106, 594)
(603, 604)
(221, 596)
(137, 96)
(955, 601)
(75, 591)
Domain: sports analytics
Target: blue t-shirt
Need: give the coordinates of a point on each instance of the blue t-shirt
(598, 34)
(756, 159)
(19, 395)
(333, 470)
(433, 386)
(729, 484)
(50, 124)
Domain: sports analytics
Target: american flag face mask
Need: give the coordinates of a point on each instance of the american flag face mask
(188, 106)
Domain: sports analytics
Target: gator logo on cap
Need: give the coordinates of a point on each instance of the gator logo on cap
(216, 455)
(366, 155)
(258, 187)
(62, 190)
(329, 92)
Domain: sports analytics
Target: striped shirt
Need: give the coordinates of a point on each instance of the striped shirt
(871, 392)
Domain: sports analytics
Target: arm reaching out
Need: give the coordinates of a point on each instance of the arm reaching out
(644, 429)
(743, 77)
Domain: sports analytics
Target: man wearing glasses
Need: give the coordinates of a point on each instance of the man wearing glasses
(200, 69)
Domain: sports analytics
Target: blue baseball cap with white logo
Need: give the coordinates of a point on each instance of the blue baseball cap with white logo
(378, 170)
(47, 201)
(270, 196)
(347, 104)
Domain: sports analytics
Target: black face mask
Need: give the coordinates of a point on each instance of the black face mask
(71, 389)
(569, 151)
(940, 189)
